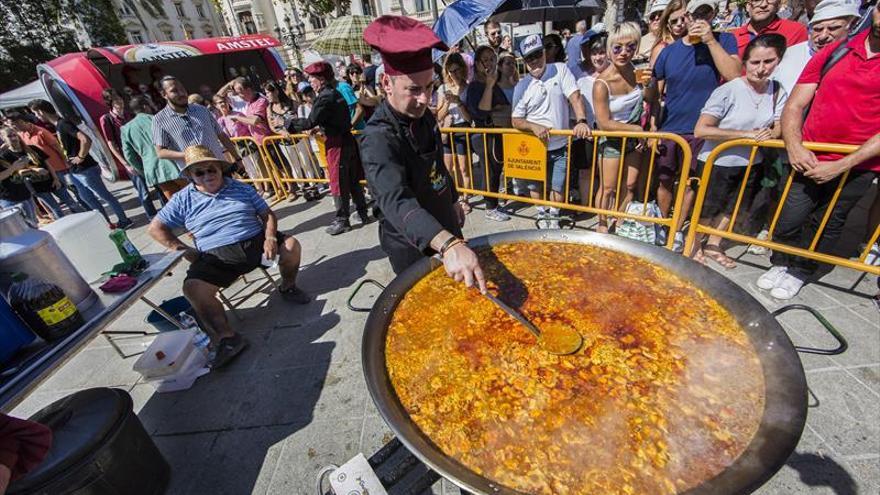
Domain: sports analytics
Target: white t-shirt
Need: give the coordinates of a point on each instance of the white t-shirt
(792, 64)
(545, 101)
(733, 104)
(585, 86)
(454, 109)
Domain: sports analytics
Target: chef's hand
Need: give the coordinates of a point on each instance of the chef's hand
(801, 158)
(461, 264)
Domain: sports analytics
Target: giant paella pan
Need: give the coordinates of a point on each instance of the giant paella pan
(684, 383)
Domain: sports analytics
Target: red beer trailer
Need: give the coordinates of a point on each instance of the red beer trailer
(74, 82)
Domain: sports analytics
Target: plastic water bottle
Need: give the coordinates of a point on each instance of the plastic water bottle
(200, 338)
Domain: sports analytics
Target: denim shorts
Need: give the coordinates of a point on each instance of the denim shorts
(556, 171)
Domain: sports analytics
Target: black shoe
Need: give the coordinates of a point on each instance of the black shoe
(338, 227)
(227, 350)
(365, 217)
(295, 295)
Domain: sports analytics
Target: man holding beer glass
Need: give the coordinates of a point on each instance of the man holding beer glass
(687, 71)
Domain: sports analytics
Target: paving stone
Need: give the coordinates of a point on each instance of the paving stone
(868, 376)
(244, 460)
(848, 415)
(187, 455)
(311, 447)
(868, 473)
(864, 342)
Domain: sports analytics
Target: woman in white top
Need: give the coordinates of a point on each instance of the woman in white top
(452, 112)
(617, 100)
(748, 107)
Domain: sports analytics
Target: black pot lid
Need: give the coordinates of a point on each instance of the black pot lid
(80, 423)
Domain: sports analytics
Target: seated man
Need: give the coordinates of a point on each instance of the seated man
(233, 229)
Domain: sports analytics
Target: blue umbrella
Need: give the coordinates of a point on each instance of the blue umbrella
(460, 17)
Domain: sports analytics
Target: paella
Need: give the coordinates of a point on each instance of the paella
(665, 393)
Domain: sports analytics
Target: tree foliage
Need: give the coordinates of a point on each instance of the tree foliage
(35, 31)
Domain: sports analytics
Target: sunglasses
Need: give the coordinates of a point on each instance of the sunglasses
(629, 47)
(677, 21)
(201, 172)
(656, 15)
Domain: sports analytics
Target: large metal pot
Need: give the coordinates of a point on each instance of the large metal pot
(32, 251)
(785, 395)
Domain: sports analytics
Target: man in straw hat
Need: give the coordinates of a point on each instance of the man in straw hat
(234, 232)
(403, 156)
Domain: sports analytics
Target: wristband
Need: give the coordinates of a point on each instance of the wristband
(448, 244)
(581, 121)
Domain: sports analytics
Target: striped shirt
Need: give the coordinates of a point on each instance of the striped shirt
(229, 216)
(176, 131)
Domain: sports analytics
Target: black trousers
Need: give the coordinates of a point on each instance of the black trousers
(492, 154)
(400, 253)
(350, 188)
(803, 211)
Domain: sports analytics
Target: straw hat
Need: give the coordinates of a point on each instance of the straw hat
(198, 153)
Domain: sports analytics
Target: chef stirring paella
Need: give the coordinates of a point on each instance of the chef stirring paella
(665, 393)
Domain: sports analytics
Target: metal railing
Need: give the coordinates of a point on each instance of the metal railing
(696, 228)
(260, 170)
(588, 204)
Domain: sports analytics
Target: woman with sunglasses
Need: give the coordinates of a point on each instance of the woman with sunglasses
(618, 98)
(673, 26)
(452, 112)
(655, 13)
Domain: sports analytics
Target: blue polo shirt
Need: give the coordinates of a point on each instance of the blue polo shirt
(221, 219)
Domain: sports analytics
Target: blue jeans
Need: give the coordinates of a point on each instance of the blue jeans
(143, 192)
(556, 171)
(88, 184)
(28, 209)
(51, 201)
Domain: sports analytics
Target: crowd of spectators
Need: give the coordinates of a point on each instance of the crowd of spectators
(705, 71)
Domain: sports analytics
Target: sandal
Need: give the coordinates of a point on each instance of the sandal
(717, 255)
(227, 349)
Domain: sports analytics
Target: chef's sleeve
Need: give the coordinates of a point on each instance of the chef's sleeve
(320, 113)
(396, 200)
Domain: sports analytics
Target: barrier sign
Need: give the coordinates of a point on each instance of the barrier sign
(525, 157)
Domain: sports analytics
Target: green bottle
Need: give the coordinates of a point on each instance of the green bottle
(130, 254)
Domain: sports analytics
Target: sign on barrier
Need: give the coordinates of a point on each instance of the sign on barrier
(525, 157)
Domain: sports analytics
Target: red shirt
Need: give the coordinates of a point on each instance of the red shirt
(846, 107)
(46, 142)
(794, 33)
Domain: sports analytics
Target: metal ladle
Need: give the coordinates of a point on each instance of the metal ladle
(559, 339)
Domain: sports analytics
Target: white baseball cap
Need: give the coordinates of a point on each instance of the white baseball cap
(695, 4)
(658, 6)
(530, 45)
(832, 9)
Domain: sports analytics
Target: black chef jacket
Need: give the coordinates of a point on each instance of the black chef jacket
(329, 110)
(415, 195)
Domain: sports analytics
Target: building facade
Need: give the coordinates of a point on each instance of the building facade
(148, 21)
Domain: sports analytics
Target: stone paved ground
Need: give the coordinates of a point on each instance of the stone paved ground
(297, 401)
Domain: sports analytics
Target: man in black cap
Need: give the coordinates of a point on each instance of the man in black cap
(403, 157)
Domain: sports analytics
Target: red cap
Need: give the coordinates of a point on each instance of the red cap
(405, 44)
(319, 68)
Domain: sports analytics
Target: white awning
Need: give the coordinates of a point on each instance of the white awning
(20, 97)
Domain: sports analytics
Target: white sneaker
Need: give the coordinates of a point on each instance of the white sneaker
(873, 257)
(678, 243)
(787, 287)
(771, 277)
(759, 250)
(497, 215)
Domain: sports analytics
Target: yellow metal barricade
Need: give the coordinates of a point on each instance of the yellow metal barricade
(522, 153)
(294, 160)
(810, 252)
(258, 168)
